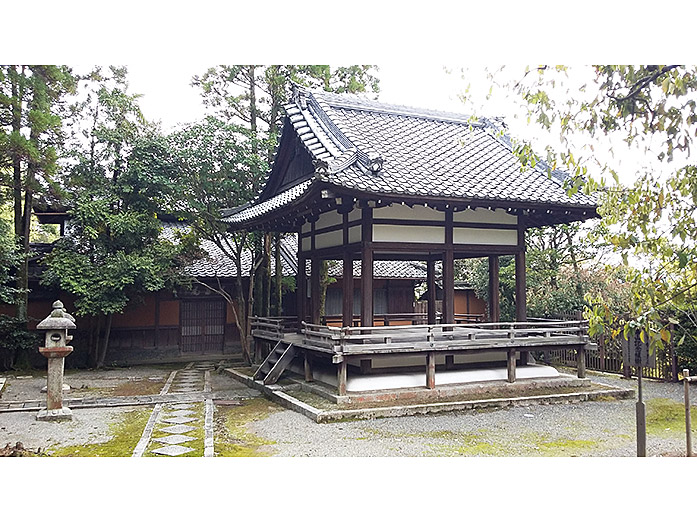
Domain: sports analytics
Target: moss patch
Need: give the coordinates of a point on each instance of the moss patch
(232, 439)
(126, 433)
(138, 388)
(667, 417)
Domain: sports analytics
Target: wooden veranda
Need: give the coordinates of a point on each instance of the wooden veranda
(346, 345)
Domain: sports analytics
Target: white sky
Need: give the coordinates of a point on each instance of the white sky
(169, 98)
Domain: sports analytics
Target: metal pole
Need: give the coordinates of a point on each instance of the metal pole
(688, 421)
(640, 421)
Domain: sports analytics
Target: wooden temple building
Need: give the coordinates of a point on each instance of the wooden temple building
(362, 181)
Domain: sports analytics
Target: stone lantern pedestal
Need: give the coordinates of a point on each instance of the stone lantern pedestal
(56, 349)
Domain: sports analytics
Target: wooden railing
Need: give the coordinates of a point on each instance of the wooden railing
(274, 326)
(401, 318)
(402, 338)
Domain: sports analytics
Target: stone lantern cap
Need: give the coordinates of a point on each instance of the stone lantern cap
(58, 319)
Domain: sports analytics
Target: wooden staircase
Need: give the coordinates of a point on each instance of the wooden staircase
(278, 360)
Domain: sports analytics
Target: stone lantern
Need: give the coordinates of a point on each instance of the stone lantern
(56, 349)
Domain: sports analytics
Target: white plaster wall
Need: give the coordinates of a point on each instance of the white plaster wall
(467, 235)
(307, 244)
(328, 219)
(404, 212)
(408, 234)
(307, 227)
(355, 234)
(498, 216)
(329, 239)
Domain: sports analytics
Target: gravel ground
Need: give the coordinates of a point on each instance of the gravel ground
(87, 426)
(600, 428)
(25, 386)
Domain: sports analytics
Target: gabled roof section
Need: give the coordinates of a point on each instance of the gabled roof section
(364, 146)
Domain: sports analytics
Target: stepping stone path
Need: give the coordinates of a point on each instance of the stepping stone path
(186, 423)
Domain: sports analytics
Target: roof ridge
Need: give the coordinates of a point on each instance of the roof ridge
(306, 103)
(362, 103)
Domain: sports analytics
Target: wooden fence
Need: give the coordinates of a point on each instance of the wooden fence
(609, 358)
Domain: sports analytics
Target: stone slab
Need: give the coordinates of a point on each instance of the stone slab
(66, 388)
(64, 414)
(172, 450)
(178, 429)
(178, 420)
(182, 405)
(180, 412)
(174, 439)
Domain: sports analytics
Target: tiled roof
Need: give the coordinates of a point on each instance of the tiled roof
(383, 269)
(280, 200)
(369, 146)
(217, 264)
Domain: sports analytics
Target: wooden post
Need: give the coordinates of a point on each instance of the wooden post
(448, 287)
(688, 420)
(315, 291)
(581, 361)
(431, 286)
(448, 271)
(341, 377)
(601, 347)
(520, 290)
(367, 267)
(494, 297)
(301, 282)
(308, 367)
(511, 365)
(431, 370)
(673, 356)
(347, 290)
(449, 362)
(347, 283)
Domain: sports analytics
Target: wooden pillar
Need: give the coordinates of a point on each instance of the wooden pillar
(308, 367)
(581, 361)
(431, 370)
(448, 287)
(315, 291)
(494, 297)
(448, 271)
(301, 282)
(367, 267)
(347, 287)
(449, 362)
(431, 293)
(520, 291)
(511, 365)
(341, 377)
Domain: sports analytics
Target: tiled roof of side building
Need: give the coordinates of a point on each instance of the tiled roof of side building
(215, 264)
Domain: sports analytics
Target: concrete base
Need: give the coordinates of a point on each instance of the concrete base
(64, 414)
(419, 404)
(66, 388)
(402, 380)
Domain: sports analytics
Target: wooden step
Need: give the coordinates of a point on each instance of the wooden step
(281, 365)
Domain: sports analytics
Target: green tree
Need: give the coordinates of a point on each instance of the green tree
(253, 97)
(113, 252)
(650, 223)
(219, 167)
(32, 99)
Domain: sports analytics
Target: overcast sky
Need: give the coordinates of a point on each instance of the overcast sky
(169, 98)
